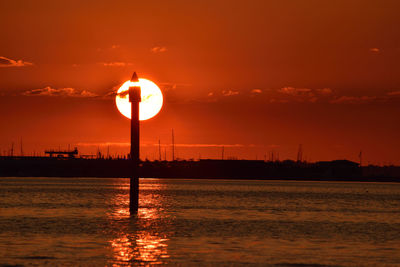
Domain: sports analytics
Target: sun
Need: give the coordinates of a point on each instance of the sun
(152, 99)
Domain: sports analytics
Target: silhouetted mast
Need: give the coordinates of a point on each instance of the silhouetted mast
(173, 145)
(300, 154)
(159, 149)
(22, 151)
(222, 156)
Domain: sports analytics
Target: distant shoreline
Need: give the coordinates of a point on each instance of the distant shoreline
(344, 180)
(338, 170)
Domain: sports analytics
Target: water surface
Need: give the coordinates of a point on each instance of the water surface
(85, 221)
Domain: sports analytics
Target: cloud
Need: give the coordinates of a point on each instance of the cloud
(324, 91)
(60, 92)
(173, 86)
(86, 93)
(111, 94)
(294, 91)
(115, 46)
(293, 94)
(229, 93)
(353, 99)
(256, 91)
(277, 100)
(210, 94)
(116, 64)
(166, 87)
(7, 63)
(374, 50)
(394, 93)
(158, 49)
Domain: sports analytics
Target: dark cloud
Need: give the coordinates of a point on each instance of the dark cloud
(394, 93)
(6, 62)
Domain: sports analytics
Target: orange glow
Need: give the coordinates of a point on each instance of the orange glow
(152, 99)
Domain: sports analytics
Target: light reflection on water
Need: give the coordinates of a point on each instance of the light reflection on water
(143, 246)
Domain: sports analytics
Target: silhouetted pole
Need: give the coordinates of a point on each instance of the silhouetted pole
(134, 98)
(159, 149)
(173, 145)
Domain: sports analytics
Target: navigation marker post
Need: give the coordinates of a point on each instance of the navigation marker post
(134, 98)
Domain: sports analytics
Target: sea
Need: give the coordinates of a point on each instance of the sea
(204, 222)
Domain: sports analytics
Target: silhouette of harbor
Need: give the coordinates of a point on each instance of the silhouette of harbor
(68, 165)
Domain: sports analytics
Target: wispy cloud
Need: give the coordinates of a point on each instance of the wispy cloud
(394, 93)
(172, 86)
(229, 92)
(374, 50)
(9, 63)
(116, 64)
(256, 91)
(293, 94)
(324, 91)
(158, 49)
(111, 94)
(294, 91)
(353, 99)
(298, 95)
(109, 48)
(60, 92)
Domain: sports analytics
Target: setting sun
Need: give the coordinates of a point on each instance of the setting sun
(152, 99)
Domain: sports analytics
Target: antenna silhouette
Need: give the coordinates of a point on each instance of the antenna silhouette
(22, 150)
(159, 149)
(300, 153)
(173, 145)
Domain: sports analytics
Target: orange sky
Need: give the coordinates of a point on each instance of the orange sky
(254, 76)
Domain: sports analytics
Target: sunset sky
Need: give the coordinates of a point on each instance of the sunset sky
(252, 76)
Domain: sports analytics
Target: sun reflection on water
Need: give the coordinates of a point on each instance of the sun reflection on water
(137, 244)
(142, 247)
